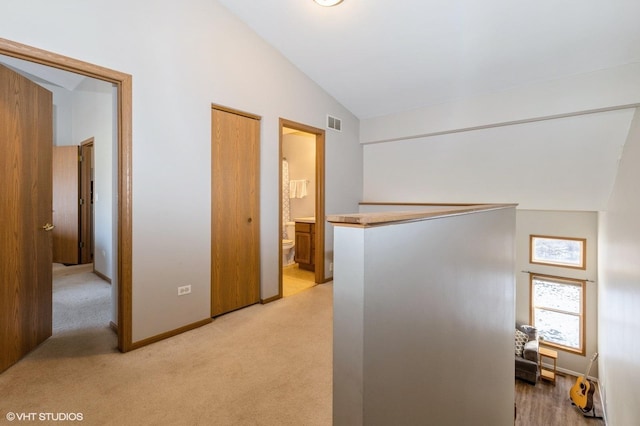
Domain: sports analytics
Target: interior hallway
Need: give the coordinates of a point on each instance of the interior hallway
(265, 364)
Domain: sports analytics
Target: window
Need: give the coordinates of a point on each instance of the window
(558, 251)
(557, 311)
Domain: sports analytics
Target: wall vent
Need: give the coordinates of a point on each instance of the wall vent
(334, 123)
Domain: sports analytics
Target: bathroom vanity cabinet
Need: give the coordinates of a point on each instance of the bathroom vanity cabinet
(305, 245)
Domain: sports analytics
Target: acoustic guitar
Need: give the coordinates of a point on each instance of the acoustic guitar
(581, 393)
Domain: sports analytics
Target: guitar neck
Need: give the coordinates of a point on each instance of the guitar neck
(586, 373)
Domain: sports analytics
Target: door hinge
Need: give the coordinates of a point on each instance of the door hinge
(82, 201)
(81, 244)
(80, 158)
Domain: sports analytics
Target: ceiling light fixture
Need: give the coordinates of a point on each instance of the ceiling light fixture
(327, 3)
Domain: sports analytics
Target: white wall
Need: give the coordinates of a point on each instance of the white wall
(182, 59)
(93, 118)
(561, 224)
(415, 316)
(62, 114)
(567, 163)
(619, 289)
(606, 88)
(562, 164)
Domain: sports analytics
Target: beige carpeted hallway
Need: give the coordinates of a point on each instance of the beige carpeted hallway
(262, 365)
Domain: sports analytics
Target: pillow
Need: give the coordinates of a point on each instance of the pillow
(521, 339)
(530, 331)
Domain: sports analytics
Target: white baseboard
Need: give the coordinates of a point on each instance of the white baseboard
(603, 404)
(569, 372)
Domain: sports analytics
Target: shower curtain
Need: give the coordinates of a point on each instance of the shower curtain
(286, 209)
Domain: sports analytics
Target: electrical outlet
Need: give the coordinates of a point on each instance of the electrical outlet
(185, 289)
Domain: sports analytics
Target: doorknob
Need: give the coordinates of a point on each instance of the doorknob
(48, 227)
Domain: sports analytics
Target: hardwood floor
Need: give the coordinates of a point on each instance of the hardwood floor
(549, 405)
(295, 280)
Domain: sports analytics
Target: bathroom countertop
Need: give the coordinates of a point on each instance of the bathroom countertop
(310, 219)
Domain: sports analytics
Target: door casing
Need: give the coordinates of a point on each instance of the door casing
(123, 84)
(320, 195)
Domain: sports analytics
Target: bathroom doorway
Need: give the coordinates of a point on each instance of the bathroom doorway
(302, 225)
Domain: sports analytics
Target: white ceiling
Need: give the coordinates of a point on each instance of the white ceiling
(379, 57)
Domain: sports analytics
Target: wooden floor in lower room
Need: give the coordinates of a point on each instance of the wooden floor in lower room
(549, 405)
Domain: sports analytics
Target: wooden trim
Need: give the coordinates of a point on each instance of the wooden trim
(50, 59)
(280, 229)
(583, 315)
(86, 234)
(320, 210)
(387, 218)
(277, 296)
(559, 265)
(236, 112)
(171, 333)
(125, 214)
(123, 83)
(373, 203)
(300, 127)
(114, 327)
(102, 276)
(320, 197)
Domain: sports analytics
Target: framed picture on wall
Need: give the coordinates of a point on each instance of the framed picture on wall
(565, 252)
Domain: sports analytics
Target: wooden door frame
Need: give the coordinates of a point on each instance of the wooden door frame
(319, 213)
(123, 83)
(86, 226)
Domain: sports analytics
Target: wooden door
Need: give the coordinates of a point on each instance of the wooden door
(66, 196)
(26, 140)
(86, 201)
(235, 229)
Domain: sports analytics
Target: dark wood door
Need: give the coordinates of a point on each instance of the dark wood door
(66, 204)
(235, 228)
(26, 140)
(86, 202)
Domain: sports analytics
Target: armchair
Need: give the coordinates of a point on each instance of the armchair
(527, 364)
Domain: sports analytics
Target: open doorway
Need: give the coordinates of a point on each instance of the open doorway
(122, 150)
(84, 123)
(301, 207)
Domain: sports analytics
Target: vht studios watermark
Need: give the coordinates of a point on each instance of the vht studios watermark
(43, 417)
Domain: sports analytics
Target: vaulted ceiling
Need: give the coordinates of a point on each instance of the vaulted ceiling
(379, 57)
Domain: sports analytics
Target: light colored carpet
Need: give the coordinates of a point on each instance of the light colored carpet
(262, 365)
(81, 299)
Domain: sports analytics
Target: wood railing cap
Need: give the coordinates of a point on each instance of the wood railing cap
(382, 218)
